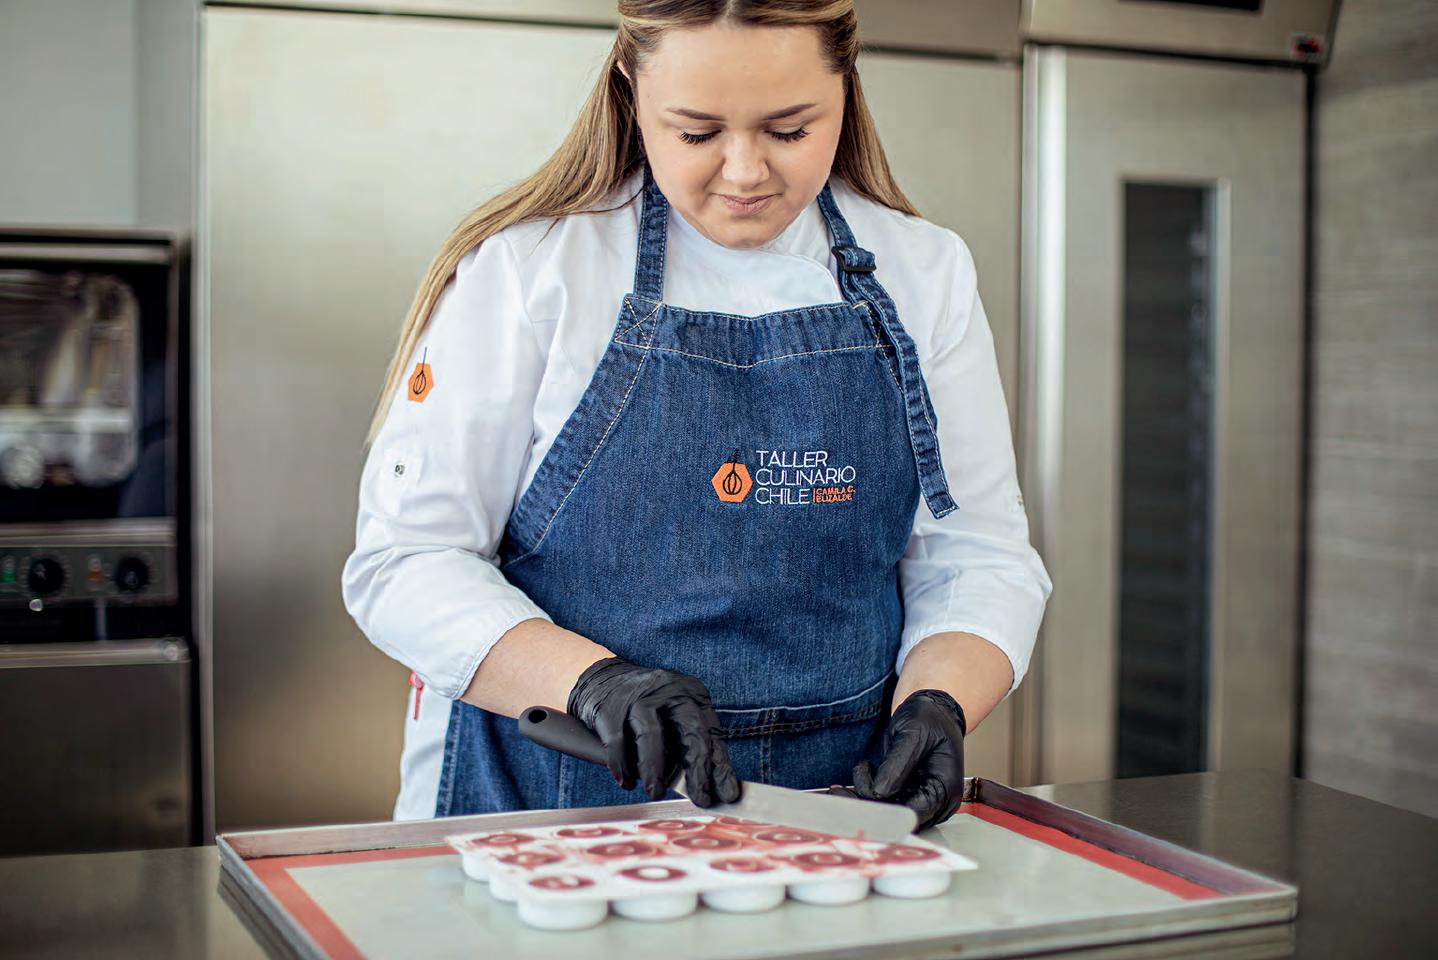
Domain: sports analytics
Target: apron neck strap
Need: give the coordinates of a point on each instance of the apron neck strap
(653, 239)
(856, 264)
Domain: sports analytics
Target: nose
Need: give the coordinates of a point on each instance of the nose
(745, 163)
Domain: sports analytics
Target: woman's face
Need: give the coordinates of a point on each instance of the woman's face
(717, 109)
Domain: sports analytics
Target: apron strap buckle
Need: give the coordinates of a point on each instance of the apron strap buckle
(853, 258)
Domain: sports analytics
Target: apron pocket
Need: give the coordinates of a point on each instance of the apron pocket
(867, 704)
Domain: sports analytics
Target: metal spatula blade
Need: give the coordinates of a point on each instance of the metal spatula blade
(841, 816)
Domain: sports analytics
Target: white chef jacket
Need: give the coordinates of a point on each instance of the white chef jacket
(511, 346)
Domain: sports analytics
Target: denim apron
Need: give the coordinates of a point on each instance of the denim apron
(729, 499)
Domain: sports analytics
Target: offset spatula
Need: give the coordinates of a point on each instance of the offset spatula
(841, 816)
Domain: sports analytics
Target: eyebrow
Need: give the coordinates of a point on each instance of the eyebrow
(776, 115)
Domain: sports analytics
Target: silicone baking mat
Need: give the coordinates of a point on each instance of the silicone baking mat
(1048, 878)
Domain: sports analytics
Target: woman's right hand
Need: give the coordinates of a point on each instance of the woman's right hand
(642, 714)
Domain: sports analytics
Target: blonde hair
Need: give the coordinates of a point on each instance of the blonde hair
(603, 148)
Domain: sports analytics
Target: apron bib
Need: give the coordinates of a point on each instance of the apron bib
(730, 499)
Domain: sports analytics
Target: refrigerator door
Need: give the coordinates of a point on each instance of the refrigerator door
(420, 120)
(1163, 338)
(96, 747)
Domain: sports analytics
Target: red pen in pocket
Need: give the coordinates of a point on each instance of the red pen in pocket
(418, 684)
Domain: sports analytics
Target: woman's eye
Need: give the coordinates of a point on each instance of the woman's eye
(790, 136)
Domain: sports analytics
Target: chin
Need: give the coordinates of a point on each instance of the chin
(745, 241)
(742, 236)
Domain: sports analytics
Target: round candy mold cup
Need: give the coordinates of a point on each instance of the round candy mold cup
(835, 877)
(498, 842)
(503, 882)
(502, 886)
(740, 824)
(915, 885)
(586, 834)
(476, 866)
(745, 899)
(672, 827)
(706, 844)
(668, 907)
(477, 849)
(790, 837)
(622, 850)
(913, 881)
(664, 906)
(831, 891)
(557, 913)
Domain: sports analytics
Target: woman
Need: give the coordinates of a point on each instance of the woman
(718, 529)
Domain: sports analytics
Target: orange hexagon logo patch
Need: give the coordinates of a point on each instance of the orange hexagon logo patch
(731, 481)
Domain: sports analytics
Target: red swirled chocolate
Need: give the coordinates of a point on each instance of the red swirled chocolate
(705, 842)
(530, 859)
(561, 881)
(653, 873)
(624, 848)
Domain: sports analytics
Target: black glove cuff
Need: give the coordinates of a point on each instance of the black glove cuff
(591, 675)
(943, 697)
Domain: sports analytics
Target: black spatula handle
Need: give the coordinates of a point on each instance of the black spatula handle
(558, 730)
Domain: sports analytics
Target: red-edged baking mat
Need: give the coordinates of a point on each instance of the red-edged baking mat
(274, 873)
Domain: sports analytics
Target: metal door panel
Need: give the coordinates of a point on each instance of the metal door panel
(951, 132)
(97, 742)
(1095, 122)
(329, 181)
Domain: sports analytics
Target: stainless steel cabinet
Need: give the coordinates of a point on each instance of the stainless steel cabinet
(338, 151)
(1163, 336)
(98, 735)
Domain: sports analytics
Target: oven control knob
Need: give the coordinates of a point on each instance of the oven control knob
(131, 574)
(46, 577)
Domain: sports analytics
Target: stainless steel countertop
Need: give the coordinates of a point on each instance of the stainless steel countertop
(1366, 872)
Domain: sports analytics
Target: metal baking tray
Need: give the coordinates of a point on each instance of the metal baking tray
(1050, 879)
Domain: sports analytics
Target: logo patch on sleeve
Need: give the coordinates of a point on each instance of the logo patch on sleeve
(421, 382)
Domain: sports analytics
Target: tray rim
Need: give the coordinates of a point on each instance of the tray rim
(1248, 899)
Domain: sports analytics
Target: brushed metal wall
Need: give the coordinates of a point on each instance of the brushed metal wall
(337, 152)
(1372, 660)
(951, 130)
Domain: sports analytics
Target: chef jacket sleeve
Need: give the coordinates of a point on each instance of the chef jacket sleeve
(441, 478)
(974, 570)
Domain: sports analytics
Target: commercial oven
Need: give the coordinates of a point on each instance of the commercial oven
(96, 686)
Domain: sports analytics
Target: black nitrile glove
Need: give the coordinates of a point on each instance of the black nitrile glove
(651, 720)
(922, 763)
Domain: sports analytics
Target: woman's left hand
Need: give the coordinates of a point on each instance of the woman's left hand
(922, 763)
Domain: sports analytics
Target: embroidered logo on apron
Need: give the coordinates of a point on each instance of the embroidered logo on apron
(731, 481)
(785, 477)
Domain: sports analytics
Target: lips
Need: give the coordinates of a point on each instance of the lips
(752, 205)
